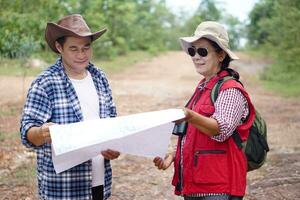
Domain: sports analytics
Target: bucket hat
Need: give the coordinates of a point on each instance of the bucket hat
(213, 31)
(71, 25)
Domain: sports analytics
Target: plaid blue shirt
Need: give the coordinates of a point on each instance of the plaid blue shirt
(52, 98)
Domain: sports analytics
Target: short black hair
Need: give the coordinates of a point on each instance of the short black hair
(225, 63)
(61, 41)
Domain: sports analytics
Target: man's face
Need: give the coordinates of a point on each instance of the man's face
(76, 53)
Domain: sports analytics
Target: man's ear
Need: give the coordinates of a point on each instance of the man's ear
(58, 47)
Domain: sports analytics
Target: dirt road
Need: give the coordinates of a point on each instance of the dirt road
(167, 82)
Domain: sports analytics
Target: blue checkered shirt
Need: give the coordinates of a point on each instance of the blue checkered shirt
(52, 98)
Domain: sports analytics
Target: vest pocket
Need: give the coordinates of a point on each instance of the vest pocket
(210, 166)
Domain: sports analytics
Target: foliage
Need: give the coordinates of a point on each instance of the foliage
(235, 31)
(279, 36)
(257, 32)
(132, 24)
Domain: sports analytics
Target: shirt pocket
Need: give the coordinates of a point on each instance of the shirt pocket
(210, 166)
(206, 110)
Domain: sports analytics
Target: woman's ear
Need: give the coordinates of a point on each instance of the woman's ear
(222, 56)
(58, 47)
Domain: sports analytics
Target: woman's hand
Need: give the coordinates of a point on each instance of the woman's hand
(207, 125)
(188, 114)
(163, 163)
(110, 154)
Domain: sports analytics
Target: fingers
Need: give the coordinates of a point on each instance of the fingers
(159, 163)
(45, 132)
(110, 154)
(188, 114)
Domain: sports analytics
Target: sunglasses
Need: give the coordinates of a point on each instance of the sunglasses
(203, 52)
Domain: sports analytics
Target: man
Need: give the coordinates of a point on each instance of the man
(69, 91)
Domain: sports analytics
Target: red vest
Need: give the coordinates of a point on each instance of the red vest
(210, 166)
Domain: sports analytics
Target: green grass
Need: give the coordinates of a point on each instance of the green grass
(286, 89)
(16, 67)
(122, 62)
(282, 80)
(13, 136)
(275, 77)
(23, 175)
(9, 110)
(257, 54)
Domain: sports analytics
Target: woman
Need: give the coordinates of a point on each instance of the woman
(208, 164)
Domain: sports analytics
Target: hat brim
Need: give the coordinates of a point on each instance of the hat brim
(185, 43)
(54, 31)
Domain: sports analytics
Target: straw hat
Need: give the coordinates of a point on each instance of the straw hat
(71, 25)
(213, 31)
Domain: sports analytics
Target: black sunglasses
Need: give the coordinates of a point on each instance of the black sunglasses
(203, 52)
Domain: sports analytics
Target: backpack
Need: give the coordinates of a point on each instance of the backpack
(256, 145)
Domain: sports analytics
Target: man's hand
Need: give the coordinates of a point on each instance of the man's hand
(163, 163)
(45, 132)
(40, 135)
(110, 154)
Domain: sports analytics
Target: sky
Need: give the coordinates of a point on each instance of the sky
(237, 8)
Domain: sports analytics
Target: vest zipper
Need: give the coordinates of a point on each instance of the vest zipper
(197, 153)
(179, 185)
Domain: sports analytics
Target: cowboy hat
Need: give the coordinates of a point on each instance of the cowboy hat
(213, 31)
(71, 25)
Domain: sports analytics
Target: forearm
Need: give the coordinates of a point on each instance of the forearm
(34, 135)
(207, 125)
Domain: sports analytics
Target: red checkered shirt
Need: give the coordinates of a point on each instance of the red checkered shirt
(231, 108)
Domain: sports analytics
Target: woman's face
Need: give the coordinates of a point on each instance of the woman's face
(210, 64)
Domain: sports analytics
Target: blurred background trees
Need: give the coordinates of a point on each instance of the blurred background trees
(132, 25)
(273, 28)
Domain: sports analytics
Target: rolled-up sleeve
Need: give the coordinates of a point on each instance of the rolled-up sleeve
(37, 111)
(231, 108)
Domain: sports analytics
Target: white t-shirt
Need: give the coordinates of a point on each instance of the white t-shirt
(89, 103)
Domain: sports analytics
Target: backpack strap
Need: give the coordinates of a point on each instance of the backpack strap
(214, 95)
(237, 139)
(216, 89)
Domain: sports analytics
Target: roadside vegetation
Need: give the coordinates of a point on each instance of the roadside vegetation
(274, 31)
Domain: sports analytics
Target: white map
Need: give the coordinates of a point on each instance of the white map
(145, 134)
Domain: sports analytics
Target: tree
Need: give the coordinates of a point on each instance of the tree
(207, 10)
(235, 31)
(275, 29)
(132, 24)
(284, 35)
(257, 30)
